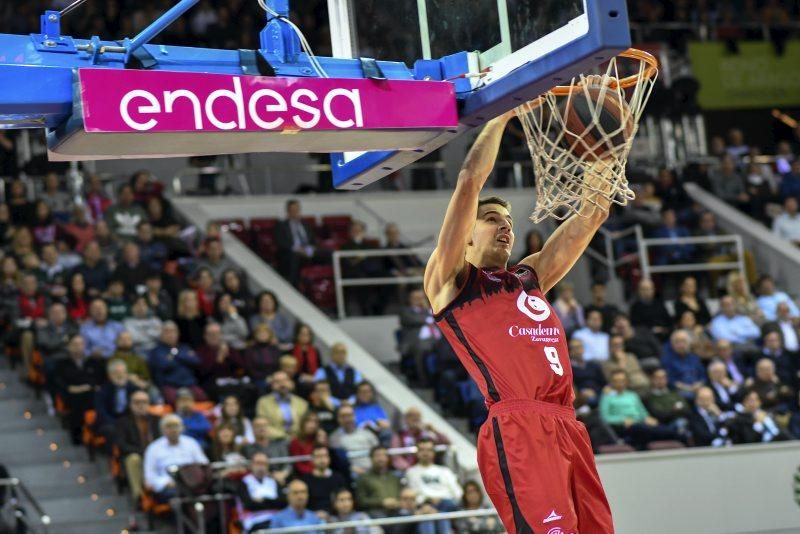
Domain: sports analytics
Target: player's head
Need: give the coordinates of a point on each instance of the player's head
(493, 235)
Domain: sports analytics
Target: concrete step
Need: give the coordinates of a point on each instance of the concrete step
(37, 476)
(81, 506)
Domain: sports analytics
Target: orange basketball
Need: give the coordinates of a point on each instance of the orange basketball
(595, 139)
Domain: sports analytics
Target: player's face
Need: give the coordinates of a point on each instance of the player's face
(493, 237)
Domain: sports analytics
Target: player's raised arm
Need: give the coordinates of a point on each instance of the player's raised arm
(447, 260)
(565, 246)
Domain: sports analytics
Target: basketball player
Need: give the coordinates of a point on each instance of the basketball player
(534, 456)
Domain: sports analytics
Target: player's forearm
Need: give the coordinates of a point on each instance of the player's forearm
(481, 157)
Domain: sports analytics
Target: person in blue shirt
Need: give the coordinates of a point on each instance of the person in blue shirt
(173, 365)
(195, 424)
(769, 299)
(99, 332)
(684, 368)
(738, 329)
(370, 414)
(297, 513)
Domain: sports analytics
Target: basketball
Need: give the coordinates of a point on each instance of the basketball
(591, 138)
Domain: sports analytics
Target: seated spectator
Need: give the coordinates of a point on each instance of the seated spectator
(707, 421)
(281, 408)
(783, 360)
(435, 484)
(117, 301)
(353, 439)
(262, 357)
(225, 449)
(322, 481)
(738, 329)
(787, 224)
(408, 507)
(343, 508)
(52, 270)
(99, 332)
(297, 513)
(131, 269)
(754, 425)
(262, 443)
(623, 410)
(55, 199)
(669, 229)
(639, 341)
(231, 414)
(322, 403)
(784, 157)
(111, 400)
(728, 183)
(688, 300)
(418, 334)
(587, 377)
(775, 396)
(203, 282)
(305, 352)
(595, 341)
(52, 338)
(620, 360)
(171, 449)
(739, 289)
(684, 368)
(135, 363)
(473, 500)
(158, 299)
(144, 326)
(241, 298)
(124, 216)
(173, 365)
(665, 404)
(378, 490)
(43, 226)
(78, 376)
(215, 261)
(77, 300)
(787, 326)
(601, 304)
(195, 424)
(134, 431)
(303, 443)
(268, 312)
(233, 325)
(342, 376)
(368, 411)
(769, 299)
(412, 430)
(725, 390)
(700, 342)
(94, 269)
(790, 181)
(96, 197)
(220, 365)
(260, 495)
(650, 312)
(189, 319)
(153, 252)
(568, 309)
(79, 230)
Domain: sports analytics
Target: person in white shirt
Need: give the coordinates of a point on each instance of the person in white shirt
(738, 329)
(171, 449)
(260, 495)
(435, 485)
(595, 341)
(787, 224)
(769, 299)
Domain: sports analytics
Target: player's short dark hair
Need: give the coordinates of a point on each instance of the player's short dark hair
(495, 200)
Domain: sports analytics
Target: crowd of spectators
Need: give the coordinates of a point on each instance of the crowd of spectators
(108, 309)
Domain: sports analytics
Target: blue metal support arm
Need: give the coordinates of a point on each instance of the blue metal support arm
(157, 26)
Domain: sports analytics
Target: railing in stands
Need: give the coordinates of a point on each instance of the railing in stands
(341, 283)
(405, 520)
(648, 269)
(608, 258)
(18, 493)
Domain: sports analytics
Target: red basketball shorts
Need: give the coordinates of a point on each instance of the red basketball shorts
(538, 469)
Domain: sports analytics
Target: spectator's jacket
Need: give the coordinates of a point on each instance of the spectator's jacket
(102, 337)
(52, 340)
(197, 426)
(650, 314)
(321, 488)
(210, 369)
(173, 366)
(666, 406)
(615, 407)
(128, 438)
(135, 363)
(261, 360)
(372, 488)
(343, 381)
(744, 429)
(258, 500)
(434, 482)
(706, 428)
(268, 407)
(106, 402)
(308, 360)
(32, 307)
(769, 305)
(144, 332)
(412, 319)
(97, 276)
(285, 240)
(687, 370)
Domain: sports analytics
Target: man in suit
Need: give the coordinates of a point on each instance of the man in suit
(754, 425)
(734, 364)
(363, 300)
(281, 408)
(725, 390)
(134, 432)
(295, 241)
(706, 420)
(418, 333)
(774, 350)
(112, 399)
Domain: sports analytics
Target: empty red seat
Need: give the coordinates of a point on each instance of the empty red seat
(337, 226)
(263, 237)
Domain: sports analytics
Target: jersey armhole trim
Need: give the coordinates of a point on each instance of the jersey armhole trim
(473, 271)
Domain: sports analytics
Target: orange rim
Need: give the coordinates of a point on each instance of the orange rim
(629, 81)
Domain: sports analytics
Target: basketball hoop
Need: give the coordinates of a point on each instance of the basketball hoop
(576, 153)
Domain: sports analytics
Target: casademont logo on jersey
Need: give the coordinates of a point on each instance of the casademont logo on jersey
(537, 309)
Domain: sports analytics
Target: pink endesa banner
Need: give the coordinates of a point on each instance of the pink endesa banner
(165, 101)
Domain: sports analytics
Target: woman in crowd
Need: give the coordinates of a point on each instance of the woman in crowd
(689, 300)
(77, 299)
(305, 352)
(268, 311)
(190, 321)
(473, 500)
(262, 357)
(233, 325)
(231, 415)
(303, 443)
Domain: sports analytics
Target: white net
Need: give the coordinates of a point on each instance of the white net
(580, 136)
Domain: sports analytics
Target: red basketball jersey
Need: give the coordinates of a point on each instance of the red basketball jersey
(508, 337)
